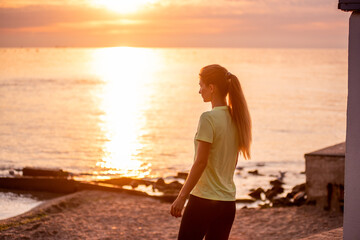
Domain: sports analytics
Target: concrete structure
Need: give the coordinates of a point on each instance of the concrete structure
(349, 5)
(325, 177)
(352, 161)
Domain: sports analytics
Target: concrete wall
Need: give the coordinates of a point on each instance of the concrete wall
(352, 160)
(325, 181)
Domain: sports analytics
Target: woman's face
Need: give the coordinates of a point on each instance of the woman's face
(205, 91)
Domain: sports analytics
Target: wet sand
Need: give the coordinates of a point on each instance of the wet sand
(109, 215)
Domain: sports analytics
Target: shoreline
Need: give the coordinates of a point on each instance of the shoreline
(100, 214)
(63, 182)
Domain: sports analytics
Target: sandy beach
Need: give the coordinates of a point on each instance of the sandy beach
(109, 215)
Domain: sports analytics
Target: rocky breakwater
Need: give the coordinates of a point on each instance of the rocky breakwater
(168, 191)
(270, 197)
(59, 181)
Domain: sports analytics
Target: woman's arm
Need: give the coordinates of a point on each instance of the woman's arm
(196, 171)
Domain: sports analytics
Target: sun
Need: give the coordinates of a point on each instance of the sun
(122, 6)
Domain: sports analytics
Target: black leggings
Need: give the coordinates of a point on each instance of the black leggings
(209, 218)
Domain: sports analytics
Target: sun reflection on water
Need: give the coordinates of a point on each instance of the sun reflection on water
(125, 73)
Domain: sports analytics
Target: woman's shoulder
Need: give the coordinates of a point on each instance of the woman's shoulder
(206, 115)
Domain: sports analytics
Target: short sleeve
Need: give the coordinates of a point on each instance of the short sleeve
(205, 131)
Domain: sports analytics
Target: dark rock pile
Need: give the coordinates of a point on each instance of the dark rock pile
(296, 197)
(172, 188)
(43, 172)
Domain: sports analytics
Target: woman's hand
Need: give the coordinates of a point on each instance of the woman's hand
(177, 206)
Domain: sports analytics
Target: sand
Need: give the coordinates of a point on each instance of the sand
(109, 215)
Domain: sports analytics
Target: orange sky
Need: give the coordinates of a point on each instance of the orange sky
(174, 23)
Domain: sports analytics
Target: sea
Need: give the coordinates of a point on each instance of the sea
(103, 113)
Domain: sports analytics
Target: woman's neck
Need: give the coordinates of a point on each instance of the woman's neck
(218, 102)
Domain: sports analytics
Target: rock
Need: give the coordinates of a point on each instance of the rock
(260, 164)
(296, 189)
(12, 172)
(239, 168)
(256, 193)
(289, 196)
(159, 185)
(45, 184)
(44, 172)
(118, 181)
(160, 182)
(278, 189)
(245, 200)
(300, 198)
(134, 184)
(265, 205)
(255, 172)
(271, 193)
(281, 202)
(175, 185)
(276, 183)
(299, 188)
(182, 175)
(170, 191)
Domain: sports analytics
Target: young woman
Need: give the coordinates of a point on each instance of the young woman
(222, 134)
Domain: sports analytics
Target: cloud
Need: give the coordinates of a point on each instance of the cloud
(44, 15)
(178, 23)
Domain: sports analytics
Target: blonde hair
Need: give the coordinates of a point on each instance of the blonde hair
(228, 85)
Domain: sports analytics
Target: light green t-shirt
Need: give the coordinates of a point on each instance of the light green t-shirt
(217, 128)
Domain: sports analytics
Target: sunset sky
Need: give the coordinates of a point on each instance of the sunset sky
(173, 23)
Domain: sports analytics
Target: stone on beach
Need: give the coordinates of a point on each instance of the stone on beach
(296, 189)
(257, 193)
(276, 183)
(173, 187)
(48, 172)
(159, 185)
(126, 181)
(275, 190)
(245, 200)
(134, 184)
(182, 175)
(299, 198)
(255, 172)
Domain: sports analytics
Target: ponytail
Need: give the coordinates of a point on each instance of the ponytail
(240, 115)
(228, 84)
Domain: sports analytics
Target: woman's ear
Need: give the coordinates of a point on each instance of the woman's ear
(211, 87)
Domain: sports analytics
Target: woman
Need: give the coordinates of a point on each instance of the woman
(222, 134)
